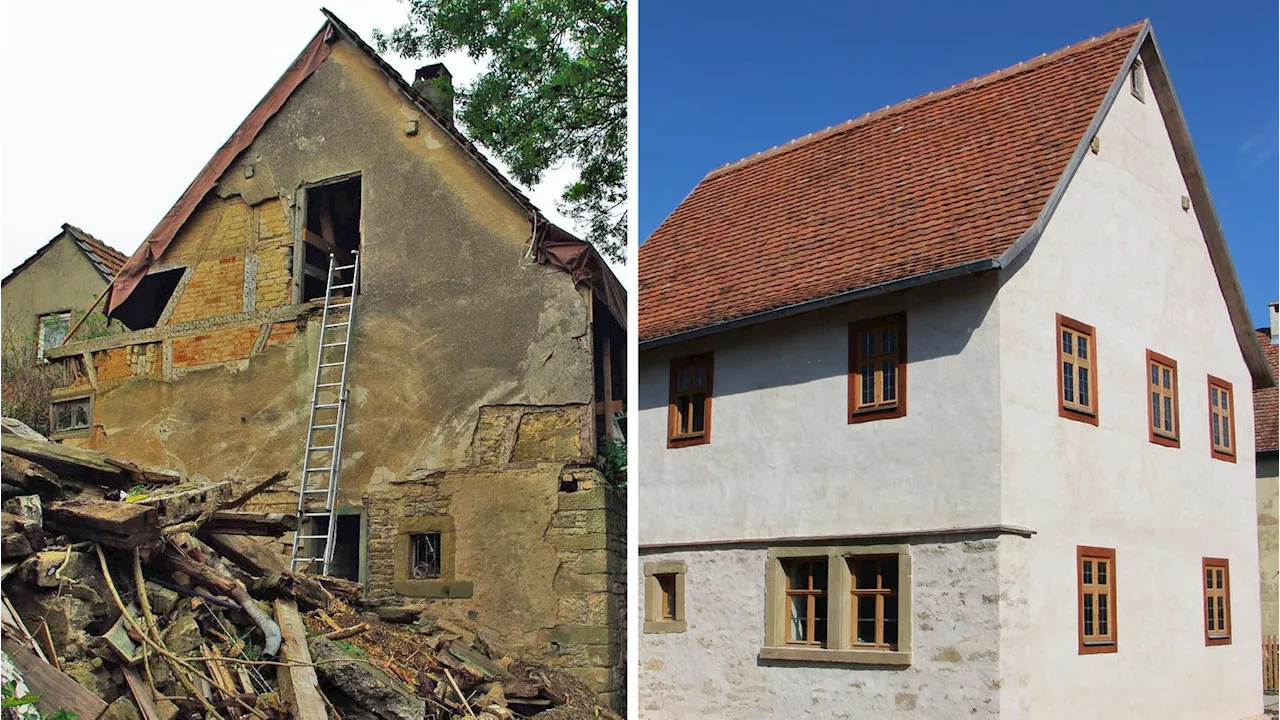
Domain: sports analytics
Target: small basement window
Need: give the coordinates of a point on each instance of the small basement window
(664, 597)
(71, 415)
(144, 306)
(333, 226)
(424, 558)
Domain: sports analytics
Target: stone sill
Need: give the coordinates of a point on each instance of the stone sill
(440, 589)
(845, 657)
(665, 626)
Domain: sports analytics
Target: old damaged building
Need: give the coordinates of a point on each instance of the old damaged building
(485, 361)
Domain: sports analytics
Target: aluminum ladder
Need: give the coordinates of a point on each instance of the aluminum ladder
(322, 460)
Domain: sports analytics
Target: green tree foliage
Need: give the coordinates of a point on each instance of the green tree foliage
(555, 89)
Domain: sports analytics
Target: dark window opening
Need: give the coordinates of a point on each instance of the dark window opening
(424, 556)
(609, 342)
(71, 415)
(332, 227)
(347, 543)
(667, 585)
(144, 306)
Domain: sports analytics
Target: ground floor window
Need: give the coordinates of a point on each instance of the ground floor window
(1096, 582)
(838, 604)
(1217, 601)
(73, 415)
(664, 597)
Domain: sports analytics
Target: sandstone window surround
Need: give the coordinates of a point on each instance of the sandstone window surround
(689, 407)
(878, 368)
(1077, 370)
(838, 640)
(446, 584)
(664, 599)
(71, 416)
(1216, 573)
(1096, 595)
(1163, 426)
(1222, 420)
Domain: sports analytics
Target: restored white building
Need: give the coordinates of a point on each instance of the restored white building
(939, 416)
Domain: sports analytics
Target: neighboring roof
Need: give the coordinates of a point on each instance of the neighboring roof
(589, 266)
(1266, 401)
(943, 180)
(950, 183)
(106, 259)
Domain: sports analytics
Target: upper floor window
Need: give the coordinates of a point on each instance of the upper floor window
(52, 331)
(1217, 601)
(1077, 371)
(878, 368)
(689, 407)
(1096, 577)
(1222, 413)
(1162, 407)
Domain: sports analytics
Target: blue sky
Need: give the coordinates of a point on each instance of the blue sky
(720, 80)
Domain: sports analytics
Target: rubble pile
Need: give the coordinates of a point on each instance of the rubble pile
(135, 594)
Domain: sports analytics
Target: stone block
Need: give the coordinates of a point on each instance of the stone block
(580, 635)
(548, 435)
(593, 499)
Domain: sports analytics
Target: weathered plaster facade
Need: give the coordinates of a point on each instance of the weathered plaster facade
(60, 279)
(981, 446)
(1269, 540)
(471, 372)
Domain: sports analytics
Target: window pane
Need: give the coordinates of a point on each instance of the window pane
(82, 415)
(1208, 578)
(700, 376)
(1084, 386)
(820, 619)
(1155, 410)
(1068, 382)
(1168, 414)
(1167, 383)
(799, 618)
(1155, 375)
(1213, 396)
(866, 620)
(798, 575)
(1225, 401)
(1102, 572)
(1066, 342)
(868, 345)
(868, 384)
(1219, 574)
(890, 340)
(1209, 616)
(682, 414)
(1088, 615)
(818, 568)
(1226, 434)
(864, 574)
(1088, 572)
(1082, 347)
(1102, 614)
(1217, 436)
(699, 414)
(891, 620)
(1222, 614)
(890, 391)
(889, 574)
(682, 379)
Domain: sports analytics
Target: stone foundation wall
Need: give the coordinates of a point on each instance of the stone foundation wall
(713, 669)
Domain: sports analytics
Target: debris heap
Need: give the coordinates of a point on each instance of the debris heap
(130, 593)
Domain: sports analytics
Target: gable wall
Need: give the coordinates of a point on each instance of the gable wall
(470, 374)
(1120, 254)
(60, 279)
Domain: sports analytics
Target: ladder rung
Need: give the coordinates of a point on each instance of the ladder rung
(313, 537)
(345, 267)
(324, 427)
(337, 344)
(317, 469)
(337, 384)
(313, 492)
(334, 325)
(341, 287)
(319, 448)
(327, 405)
(337, 364)
(316, 514)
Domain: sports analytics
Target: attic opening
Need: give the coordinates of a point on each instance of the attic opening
(144, 306)
(332, 227)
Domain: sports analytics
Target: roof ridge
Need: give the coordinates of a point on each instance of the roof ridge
(932, 96)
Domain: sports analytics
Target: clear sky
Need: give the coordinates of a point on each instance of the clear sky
(722, 79)
(110, 109)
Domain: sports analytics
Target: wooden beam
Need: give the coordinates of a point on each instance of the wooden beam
(299, 685)
(257, 559)
(607, 352)
(116, 524)
(57, 691)
(251, 523)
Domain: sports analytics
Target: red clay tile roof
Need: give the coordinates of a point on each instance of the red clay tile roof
(940, 181)
(1265, 402)
(107, 259)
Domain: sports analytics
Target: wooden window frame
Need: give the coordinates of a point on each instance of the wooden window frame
(877, 410)
(880, 592)
(54, 432)
(1218, 450)
(839, 648)
(1163, 438)
(40, 325)
(656, 620)
(811, 605)
(1076, 411)
(1223, 636)
(676, 439)
(1093, 645)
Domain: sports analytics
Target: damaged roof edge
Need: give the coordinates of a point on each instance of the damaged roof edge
(589, 266)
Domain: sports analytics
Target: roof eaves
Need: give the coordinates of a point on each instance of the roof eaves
(848, 296)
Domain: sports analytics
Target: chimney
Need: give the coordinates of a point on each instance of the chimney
(435, 83)
(1275, 325)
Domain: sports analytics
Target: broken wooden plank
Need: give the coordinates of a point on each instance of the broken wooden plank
(57, 691)
(247, 495)
(201, 573)
(175, 506)
(257, 559)
(299, 684)
(32, 477)
(85, 465)
(251, 523)
(117, 524)
(347, 632)
(339, 586)
(142, 696)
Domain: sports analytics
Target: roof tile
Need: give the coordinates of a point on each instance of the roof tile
(942, 180)
(1265, 402)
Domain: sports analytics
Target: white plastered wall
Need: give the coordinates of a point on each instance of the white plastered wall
(783, 460)
(1121, 254)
